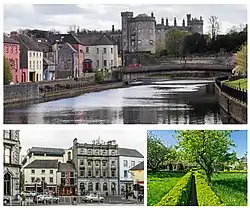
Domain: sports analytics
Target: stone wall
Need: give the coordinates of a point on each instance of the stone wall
(20, 92)
(233, 108)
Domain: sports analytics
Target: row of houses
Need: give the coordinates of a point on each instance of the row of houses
(60, 56)
(100, 167)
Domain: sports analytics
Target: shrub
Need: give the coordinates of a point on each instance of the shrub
(205, 195)
(179, 195)
(99, 76)
(234, 171)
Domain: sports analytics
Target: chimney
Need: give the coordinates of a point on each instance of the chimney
(183, 23)
(113, 28)
(152, 14)
(200, 18)
(162, 21)
(166, 21)
(13, 34)
(175, 24)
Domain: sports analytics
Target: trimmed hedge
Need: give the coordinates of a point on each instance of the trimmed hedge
(179, 195)
(234, 171)
(205, 195)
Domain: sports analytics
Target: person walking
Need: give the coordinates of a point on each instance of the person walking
(23, 199)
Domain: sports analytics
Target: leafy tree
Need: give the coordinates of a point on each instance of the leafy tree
(241, 60)
(157, 153)
(7, 71)
(194, 43)
(207, 148)
(99, 76)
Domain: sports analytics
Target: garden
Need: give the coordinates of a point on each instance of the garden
(210, 173)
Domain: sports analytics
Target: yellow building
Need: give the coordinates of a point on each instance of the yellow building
(138, 173)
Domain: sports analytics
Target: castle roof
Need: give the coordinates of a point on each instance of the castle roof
(142, 16)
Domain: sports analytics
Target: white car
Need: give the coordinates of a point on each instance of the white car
(93, 198)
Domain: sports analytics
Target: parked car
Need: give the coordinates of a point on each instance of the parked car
(6, 200)
(50, 199)
(135, 65)
(26, 193)
(93, 198)
(33, 193)
(39, 199)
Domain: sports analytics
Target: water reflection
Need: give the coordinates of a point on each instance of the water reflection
(164, 103)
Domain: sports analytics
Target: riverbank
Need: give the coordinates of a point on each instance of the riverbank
(50, 96)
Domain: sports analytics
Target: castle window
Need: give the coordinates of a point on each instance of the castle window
(151, 31)
(139, 42)
(111, 50)
(151, 42)
(87, 49)
(97, 50)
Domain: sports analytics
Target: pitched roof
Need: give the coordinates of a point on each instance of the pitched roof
(69, 38)
(142, 16)
(104, 40)
(9, 40)
(129, 153)
(88, 39)
(42, 164)
(140, 166)
(46, 150)
(49, 62)
(27, 42)
(64, 167)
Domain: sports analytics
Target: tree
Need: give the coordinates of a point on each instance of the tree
(7, 71)
(194, 43)
(207, 148)
(214, 27)
(241, 60)
(157, 153)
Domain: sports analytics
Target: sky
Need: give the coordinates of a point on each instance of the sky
(103, 16)
(58, 138)
(239, 138)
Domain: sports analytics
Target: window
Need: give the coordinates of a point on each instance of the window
(96, 152)
(104, 173)
(34, 64)
(96, 173)
(87, 49)
(37, 64)
(105, 63)
(151, 42)
(51, 179)
(7, 134)
(104, 50)
(81, 162)
(72, 174)
(105, 186)
(63, 181)
(112, 162)
(97, 163)
(32, 171)
(82, 150)
(104, 163)
(34, 54)
(113, 173)
(125, 163)
(150, 31)
(125, 174)
(104, 152)
(97, 50)
(112, 152)
(112, 63)
(89, 152)
(30, 54)
(40, 54)
(139, 31)
(89, 173)
(63, 174)
(90, 186)
(7, 155)
(89, 163)
(40, 64)
(72, 181)
(82, 173)
(132, 163)
(32, 179)
(30, 65)
(97, 186)
(43, 171)
(111, 50)
(43, 179)
(97, 63)
(11, 49)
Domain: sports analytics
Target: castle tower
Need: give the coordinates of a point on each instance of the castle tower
(166, 21)
(196, 25)
(183, 23)
(162, 21)
(175, 23)
(126, 16)
(188, 19)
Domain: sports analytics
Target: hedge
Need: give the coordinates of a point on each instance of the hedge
(234, 171)
(179, 195)
(205, 195)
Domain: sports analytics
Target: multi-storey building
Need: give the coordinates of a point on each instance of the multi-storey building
(11, 157)
(128, 158)
(97, 167)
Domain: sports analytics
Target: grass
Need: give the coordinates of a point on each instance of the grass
(242, 83)
(159, 184)
(231, 188)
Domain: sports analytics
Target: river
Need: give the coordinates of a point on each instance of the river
(165, 102)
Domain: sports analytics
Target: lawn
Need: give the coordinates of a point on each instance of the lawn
(231, 188)
(242, 83)
(159, 184)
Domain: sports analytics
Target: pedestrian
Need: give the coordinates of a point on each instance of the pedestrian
(23, 199)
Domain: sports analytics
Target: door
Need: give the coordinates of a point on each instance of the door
(7, 184)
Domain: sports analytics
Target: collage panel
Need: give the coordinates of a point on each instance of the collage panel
(85, 168)
(197, 168)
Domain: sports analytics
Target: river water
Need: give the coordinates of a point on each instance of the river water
(165, 102)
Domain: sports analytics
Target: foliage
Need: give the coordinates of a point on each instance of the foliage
(159, 184)
(194, 43)
(205, 195)
(241, 60)
(99, 76)
(234, 171)
(238, 84)
(174, 40)
(158, 153)
(179, 195)
(207, 148)
(7, 71)
(231, 188)
(214, 27)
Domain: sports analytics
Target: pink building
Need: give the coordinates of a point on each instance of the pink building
(79, 48)
(12, 53)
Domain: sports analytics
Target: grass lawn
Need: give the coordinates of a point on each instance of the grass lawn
(231, 188)
(159, 184)
(242, 83)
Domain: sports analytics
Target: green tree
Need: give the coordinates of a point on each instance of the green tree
(241, 60)
(207, 148)
(158, 153)
(7, 71)
(174, 41)
(99, 76)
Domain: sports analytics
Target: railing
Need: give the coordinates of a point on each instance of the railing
(237, 93)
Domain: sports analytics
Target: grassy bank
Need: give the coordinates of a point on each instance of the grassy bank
(239, 83)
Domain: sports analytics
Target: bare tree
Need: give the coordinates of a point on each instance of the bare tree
(214, 26)
(54, 31)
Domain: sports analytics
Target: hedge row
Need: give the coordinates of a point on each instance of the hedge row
(179, 195)
(205, 195)
(234, 171)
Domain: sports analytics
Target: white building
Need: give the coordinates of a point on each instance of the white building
(100, 51)
(128, 158)
(11, 170)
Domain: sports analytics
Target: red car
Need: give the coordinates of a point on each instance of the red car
(135, 65)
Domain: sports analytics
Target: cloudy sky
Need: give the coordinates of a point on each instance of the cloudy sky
(102, 17)
(58, 138)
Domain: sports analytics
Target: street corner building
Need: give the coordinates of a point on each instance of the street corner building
(11, 169)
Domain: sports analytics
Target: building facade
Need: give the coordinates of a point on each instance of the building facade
(97, 167)
(128, 158)
(11, 157)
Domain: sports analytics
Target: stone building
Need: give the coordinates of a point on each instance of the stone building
(11, 163)
(97, 167)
